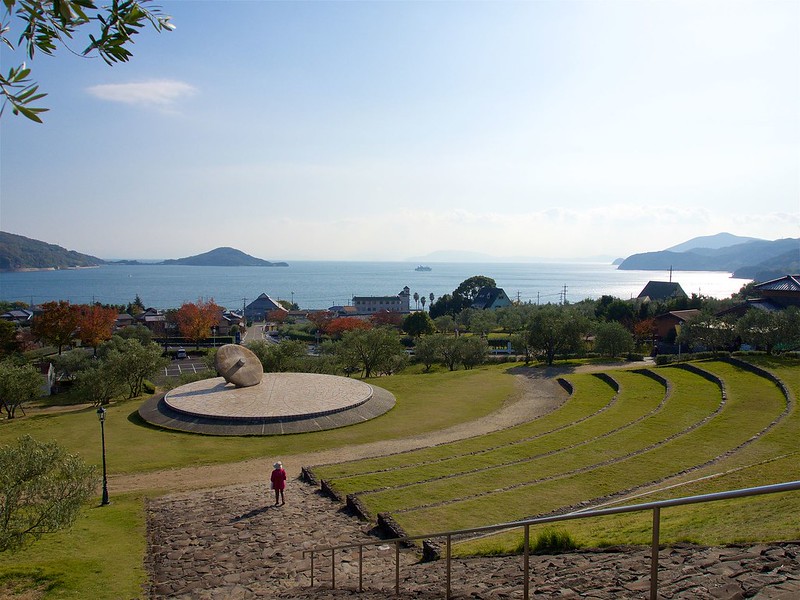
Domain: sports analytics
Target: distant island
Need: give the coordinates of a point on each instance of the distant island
(746, 258)
(223, 257)
(19, 253)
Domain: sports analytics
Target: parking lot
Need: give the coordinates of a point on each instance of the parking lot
(187, 365)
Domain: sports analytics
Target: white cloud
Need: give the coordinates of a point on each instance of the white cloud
(157, 93)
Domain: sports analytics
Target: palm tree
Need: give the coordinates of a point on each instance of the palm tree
(423, 302)
(416, 299)
(431, 297)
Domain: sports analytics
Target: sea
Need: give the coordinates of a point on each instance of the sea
(322, 284)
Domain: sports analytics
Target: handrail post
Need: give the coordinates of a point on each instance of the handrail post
(312, 568)
(448, 555)
(360, 567)
(397, 568)
(526, 562)
(654, 554)
(333, 568)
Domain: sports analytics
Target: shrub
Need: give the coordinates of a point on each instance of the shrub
(550, 541)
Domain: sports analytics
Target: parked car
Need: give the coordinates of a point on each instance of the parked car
(181, 353)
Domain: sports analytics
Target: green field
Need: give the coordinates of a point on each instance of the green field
(630, 438)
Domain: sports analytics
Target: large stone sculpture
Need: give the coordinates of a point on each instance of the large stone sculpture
(238, 365)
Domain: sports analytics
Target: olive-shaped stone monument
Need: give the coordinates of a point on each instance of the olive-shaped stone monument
(238, 365)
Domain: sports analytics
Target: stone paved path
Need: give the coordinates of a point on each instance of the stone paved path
(232, 543)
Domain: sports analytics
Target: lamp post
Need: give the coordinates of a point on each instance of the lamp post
(101, 416)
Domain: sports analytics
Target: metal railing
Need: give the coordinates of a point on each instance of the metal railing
(526, 525)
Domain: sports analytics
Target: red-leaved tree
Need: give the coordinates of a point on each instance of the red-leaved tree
(196, 319)
(56, 324)
(338, 326)
(95, 324)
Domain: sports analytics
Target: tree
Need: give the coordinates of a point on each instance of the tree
(760, 329)
(706, 330)
(341, 325)
(71, 363)
(426, 350)
(95, 325)
(56, 324)
(418, 323)
(321, 319)
(18, 384)
(521, 343)
(140, 333)
(416, 299)
(473, 350)
(196, 319)
(644, 331)
(98, 383)
(277, 316)
(369, 349)
(482, 321)
(9, 342)
(279, 358)
(465, 293)
(556, 330)
(42, 489)
(136, 307)
(131, 362)
(422, 301)
(444, 323)
(46, 24)
(386, 317)
(612, 339)
(449, 351)
(431, 297)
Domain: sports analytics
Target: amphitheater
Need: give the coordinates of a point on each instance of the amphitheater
(228, 541)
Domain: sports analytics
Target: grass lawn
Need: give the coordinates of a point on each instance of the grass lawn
(425, 402)
(773, 458)
(101, 556)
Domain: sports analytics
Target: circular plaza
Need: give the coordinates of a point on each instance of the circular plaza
(280, 403)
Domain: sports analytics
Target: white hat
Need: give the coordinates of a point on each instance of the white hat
(278, 465)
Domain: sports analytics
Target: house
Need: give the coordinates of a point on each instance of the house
(259, 308)
(368, 305)
(774, 295)
(227, 319)
(661, 290)
(490, 298)
(18, 316)
(343, 311)
(667, 324)
(154, 320)
(124, 320)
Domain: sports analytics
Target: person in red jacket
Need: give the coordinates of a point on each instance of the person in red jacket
(278, 482)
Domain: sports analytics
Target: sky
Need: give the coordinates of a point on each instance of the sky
(386, 130)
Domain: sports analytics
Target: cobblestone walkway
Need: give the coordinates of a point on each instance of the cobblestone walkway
(232, 543)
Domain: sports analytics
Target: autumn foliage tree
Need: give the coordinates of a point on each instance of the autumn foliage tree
(195, 319)
(321, 319)
(56, 324)
(95, 324)
(386, 317)
(343, 324)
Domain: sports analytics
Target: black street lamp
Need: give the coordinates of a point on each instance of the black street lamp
(101, 416)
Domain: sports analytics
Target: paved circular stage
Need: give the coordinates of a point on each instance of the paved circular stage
(281, 403)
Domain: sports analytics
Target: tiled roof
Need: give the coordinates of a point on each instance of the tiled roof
(788, 283)
(661, 290)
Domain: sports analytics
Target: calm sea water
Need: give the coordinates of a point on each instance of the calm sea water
(318, 284)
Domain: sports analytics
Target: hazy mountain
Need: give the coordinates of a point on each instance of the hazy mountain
(760, 259)
(714, 242)
(223, 257)
(18, 253)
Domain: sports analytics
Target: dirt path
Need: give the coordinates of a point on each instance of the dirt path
(538, 393)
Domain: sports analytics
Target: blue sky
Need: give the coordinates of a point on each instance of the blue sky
(383, 130)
